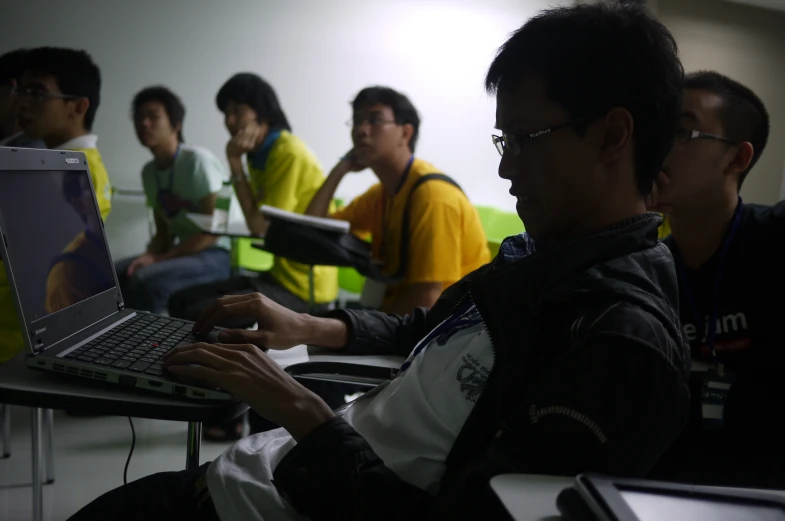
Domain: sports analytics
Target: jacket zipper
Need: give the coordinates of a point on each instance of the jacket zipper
(535, 414)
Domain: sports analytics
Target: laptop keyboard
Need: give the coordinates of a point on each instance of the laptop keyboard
(136, 345)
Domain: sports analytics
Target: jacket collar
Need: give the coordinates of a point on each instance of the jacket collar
(85, 141)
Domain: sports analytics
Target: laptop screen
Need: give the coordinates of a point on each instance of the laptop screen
(53, 230)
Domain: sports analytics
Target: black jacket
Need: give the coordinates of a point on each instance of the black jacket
(589, 374)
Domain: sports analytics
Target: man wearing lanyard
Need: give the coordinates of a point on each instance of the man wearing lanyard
(445, 237)
(727, 255)
(180, 178)
(561, 356)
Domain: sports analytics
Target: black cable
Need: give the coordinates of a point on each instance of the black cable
(133, 443)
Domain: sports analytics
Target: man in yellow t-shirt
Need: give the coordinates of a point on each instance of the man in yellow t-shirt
(58, 95)
(445, 238)
(282, 172)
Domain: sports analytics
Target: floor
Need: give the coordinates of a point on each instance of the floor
(90, 454)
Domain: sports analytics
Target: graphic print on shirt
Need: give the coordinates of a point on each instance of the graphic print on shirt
(733, 334)
(472, 376)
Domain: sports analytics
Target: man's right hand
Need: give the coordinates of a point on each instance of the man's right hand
(278, 327)
(245, 141)
(141, 262)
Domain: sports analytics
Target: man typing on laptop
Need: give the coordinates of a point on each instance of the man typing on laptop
(563, 355)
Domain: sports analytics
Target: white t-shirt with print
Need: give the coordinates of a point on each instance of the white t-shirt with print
(411, 423)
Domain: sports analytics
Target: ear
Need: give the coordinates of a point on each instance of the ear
(615, 134)
(408, 132)
(741, 160)
(80, 106)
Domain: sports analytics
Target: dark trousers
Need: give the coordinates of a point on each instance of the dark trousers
(168, 496)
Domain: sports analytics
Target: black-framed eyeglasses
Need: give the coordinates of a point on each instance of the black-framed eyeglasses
(515, 142)
(374, 121)
(41, 95)
(684, 135)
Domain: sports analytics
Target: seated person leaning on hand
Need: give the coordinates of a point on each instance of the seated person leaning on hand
(282, 172)
(445, 238)
(563, 355)
(179, 179)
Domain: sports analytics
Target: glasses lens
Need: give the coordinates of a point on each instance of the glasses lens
(498, 142)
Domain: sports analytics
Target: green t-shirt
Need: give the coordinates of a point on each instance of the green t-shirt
(175, 191)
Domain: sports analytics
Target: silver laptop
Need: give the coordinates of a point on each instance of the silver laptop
(63, 281)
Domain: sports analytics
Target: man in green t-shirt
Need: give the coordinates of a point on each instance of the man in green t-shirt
(179, 179)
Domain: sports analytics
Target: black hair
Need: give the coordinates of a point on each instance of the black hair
(12, 66)
(75, 72)
(253, 91)
(175, 110)
(403, 109)
(742, 114)
(595, 57)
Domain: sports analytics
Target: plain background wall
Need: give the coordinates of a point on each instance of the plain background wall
(316, 54)
(747, 44)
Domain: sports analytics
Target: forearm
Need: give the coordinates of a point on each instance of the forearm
(320, 204)
(330, 333)
(248, 203)
(414, 296)
(193, 245)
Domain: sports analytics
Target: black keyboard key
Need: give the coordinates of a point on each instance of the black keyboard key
(103, 361)
(129, 358)
(150, 359)
(121, 364)
(139, 366)
(94, 352)
(85, 358)
(154, 372)
(110, 356)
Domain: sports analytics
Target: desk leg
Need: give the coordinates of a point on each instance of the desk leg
(37, 465)
(194, 444)
(5, 412)
(49, 451)
(311, 289)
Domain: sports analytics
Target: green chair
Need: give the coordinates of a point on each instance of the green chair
(247, 258)
(498, 225)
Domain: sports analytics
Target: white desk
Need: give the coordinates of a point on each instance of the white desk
(235, 228)
(531, 497)
(325, 365)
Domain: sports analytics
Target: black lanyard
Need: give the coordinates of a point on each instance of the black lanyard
(711, 334)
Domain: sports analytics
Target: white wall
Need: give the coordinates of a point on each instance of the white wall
(748, 44)
(316, 53)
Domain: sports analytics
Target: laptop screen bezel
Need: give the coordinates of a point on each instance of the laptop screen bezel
(50, 330)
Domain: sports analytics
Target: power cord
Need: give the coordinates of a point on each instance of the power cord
(133, 444)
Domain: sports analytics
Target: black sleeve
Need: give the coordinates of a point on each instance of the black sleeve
(612, 404)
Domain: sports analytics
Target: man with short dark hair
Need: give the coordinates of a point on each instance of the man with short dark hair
(562, 356)
(180, 179)
(59, 95)
(11, 135)
(728, 255)
(444, 239)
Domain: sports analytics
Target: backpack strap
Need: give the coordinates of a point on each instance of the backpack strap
(404, 246)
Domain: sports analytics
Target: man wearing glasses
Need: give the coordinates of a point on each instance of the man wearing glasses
(11, 135)
(445, 239)
(564, 355)
(728, 257)
(58, 96)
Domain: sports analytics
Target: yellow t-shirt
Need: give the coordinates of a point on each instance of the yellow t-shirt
(665, 228)
(288, 178)
(10, 335)
(446, 239)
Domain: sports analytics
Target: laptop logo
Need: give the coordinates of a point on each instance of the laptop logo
(39, 331)
(72, 160)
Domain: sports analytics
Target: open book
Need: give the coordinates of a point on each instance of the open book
(331, 225)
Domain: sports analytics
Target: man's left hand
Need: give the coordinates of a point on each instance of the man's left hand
(250, 375)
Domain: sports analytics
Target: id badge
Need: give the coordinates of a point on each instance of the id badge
(714, 395)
